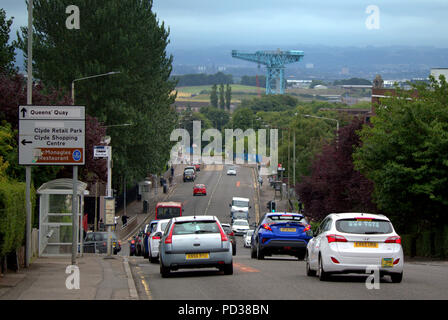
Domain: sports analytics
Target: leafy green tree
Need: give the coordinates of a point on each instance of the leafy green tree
(222, 100)
(228, 96)
(404, 154)
(7, 56)
(214, 96)
(218, 118)
(115, 35)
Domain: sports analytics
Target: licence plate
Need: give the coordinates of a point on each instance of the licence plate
(288, 229)
(192, 256)
(387, 262)
(366, 244)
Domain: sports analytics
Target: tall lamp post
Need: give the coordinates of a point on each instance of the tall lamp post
(337, 125)
(90, 77)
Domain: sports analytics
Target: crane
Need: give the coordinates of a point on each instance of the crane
(275, 62)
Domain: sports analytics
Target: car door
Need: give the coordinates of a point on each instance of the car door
(316, 242)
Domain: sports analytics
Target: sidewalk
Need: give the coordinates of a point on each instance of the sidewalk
(45, 279)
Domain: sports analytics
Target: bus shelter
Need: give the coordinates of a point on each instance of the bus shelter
(55, 216)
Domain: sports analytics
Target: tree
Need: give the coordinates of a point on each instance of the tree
(334, 185)
(214, 96)
(228, 96)
(404, 154)
(218, 118)
(115, 35)
(222, 102)
(7, 56)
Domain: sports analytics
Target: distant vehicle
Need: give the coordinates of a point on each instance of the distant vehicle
(351, 242)
(281, 233)
(168, 210)
(179, 249)
(132, 249)
(231, 171)
(157, 232)
(231, 234)
(189, 175)
(197, 166)
(147, 233)
(248, 238)
(139, 243)
(199, 189)
(96, 242)
(240, 226)
(239, 208)
(190, 168)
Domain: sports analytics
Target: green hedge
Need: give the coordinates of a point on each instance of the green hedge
(423, 243)
(12, 215)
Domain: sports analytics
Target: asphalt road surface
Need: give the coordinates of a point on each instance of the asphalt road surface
(276, 277)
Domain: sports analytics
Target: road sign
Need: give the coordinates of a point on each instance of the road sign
(109, 213)
(101, 152)
(51, 135)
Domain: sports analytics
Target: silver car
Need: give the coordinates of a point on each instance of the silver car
(195, 242)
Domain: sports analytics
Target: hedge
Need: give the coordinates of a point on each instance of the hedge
(12, 215)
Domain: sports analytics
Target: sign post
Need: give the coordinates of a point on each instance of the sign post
(109, 219)
(54, 135)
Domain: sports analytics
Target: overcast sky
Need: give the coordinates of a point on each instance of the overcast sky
(288, 23)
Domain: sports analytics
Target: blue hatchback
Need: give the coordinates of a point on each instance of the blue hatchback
(281, 233)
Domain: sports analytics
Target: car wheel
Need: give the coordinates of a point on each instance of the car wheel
(234, 249)
(260, 254)
(301, 256)
(228, 269)
(164, 271)
(309, 272)
(253, 253)
(323, 276)
(396, 277)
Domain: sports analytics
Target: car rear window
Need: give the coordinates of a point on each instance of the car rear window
(227, 229)
(195, 227)
(283, 218)
(364, 226)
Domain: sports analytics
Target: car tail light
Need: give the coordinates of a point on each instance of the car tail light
(264, 240)
(169, 239)
(104, 243)
(334, 260)
(133, 242)
(156, 238)
(335, 238)
(231, 234)
(119, 243)
(267, 227)
(223, 234)
(148, 233)
(394, 239)
(307, 228)
(396, 261)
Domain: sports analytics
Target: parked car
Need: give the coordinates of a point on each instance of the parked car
(195, 242)
(351, 242)
(199, 189)
(281, 233)
(96, 242)
(132, 248)
(154, 239)
(247, 240)
(189, 175)
(146, 236)
(231, 234)
(139, 243)
(192, 167)
(240, 226)
(231, 171)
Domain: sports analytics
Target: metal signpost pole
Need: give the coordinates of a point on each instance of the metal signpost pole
(75, 214)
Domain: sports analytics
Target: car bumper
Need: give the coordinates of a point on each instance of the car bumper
(239, 232)
(179, 260)
(284, 246)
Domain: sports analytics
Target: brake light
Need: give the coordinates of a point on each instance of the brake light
(334, 260)
(396, 261)
(307, 228)
(394, 239)
(156, 238)
(104, 243)
(335, 238)
(169, 239)
(231, 234)
(223, 234)
(119, 243)
(267, 227)
(133, 242)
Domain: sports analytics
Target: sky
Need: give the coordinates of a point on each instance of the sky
(199, 23)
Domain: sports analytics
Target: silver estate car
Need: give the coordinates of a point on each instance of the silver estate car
(195, 242)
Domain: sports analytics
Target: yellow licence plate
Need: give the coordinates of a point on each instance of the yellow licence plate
(288, 229)
(387, 262)
(366, 244)
(192, 256)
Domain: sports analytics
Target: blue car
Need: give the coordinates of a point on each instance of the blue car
(281, 233)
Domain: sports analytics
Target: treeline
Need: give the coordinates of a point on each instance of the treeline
(352, 81)
(201, 79)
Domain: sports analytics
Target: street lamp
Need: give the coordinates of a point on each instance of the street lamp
(337, 125)
(90, 77)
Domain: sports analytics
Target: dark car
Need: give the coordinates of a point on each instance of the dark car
(231, 234)
(96, 242)
(281, 233)
(139, 244)
(189, 175)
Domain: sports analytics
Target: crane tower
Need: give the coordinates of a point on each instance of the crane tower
(275, 62)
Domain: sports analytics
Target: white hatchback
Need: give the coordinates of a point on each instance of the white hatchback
(352, 243)
(154, 239)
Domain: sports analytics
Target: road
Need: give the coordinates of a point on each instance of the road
(276, 277)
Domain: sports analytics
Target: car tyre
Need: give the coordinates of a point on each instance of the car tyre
(228, 269)
(309, 272)
(323, 276)
(253, 253)
(234, 250)
(164, 271)
(396, 277)
(260, 254)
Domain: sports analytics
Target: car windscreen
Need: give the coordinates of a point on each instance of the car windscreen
(168, 212)
(103, 236)
(239, 215)
(364, 226)
(240, 223)
(195, 227)
(189, 171)
(240, 203)
(286, 218)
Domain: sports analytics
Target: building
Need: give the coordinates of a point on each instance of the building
(436, 72)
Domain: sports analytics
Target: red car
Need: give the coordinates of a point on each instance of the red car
(197, 166)
(199, 189)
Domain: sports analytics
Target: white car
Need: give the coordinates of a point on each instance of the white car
(231, 171)
(353, 242)
(248, 238)
(154, 239)
(240, 226)
(239, 208)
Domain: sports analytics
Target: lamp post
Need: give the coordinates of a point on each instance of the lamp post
(337, 125)
(90, 77)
